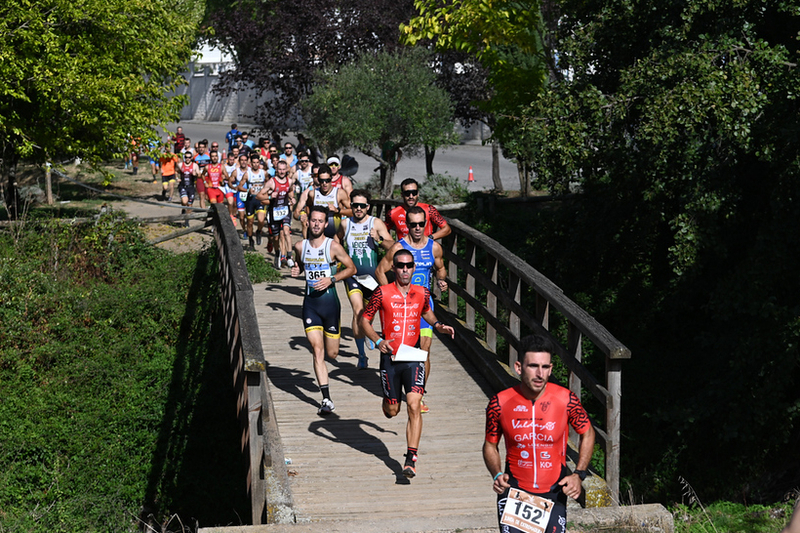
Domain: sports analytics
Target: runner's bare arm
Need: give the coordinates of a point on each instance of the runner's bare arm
(305, 197)
(385, 264)
(491, 458)
(380, 231)
(438, 265)
(571, 485)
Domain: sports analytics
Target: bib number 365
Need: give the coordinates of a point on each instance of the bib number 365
(526, 512)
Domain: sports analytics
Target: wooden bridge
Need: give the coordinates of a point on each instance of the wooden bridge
(345, 469)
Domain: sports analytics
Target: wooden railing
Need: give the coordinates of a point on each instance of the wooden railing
(486, 280)
(267, 479)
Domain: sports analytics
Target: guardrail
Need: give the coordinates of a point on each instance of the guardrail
(488, 280)
(267, 479)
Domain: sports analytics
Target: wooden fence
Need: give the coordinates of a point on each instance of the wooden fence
(512, 298)
(267, 480)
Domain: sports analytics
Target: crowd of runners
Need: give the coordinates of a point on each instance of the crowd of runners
(388, 268)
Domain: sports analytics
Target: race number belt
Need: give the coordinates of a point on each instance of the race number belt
(279, 213)
(526, 512)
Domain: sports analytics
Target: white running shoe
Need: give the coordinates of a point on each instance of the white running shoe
(290, 262)
(326, 408)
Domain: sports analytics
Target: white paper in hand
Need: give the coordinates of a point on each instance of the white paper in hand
(410, 354)
(367, 281)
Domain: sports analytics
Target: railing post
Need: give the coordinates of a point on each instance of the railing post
(452, 273)
(515, 290)
(543, 311)
(491, 303)
(574, 348)
(613, 425)
(470, 286)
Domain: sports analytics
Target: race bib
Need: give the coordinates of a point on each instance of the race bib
(279, 213)
(316, 272)
(243, 196)
(526, 512)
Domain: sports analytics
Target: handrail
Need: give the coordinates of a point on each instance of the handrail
(481, 291)
(267, 479)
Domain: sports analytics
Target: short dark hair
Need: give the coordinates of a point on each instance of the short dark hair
(361, 192)
(324, 169)
(536, 343)
(320, 209)
(233, 126)
(416, 210)
(409, 181)
(402, 251)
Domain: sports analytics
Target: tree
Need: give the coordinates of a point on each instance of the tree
(680, 124)
(379, 104)
(505, 39)
(279, 45)
(80, 79)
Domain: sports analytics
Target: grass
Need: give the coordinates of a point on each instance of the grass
(115, 407)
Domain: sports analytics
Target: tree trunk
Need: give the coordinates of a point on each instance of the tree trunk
(498, 183)
(523, 179)
(48, 184)
(387, 187)
(8, 170)
(430, 153)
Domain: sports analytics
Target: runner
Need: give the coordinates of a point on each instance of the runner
(242, 188)
(334, 198)
(396, 218)
(429, 259)
(188, 172)
(362, 235)
(256, 179)
(213, 178)
(317, 257)
(304, 178)
(339, 180)
(168, 160)
(532, 417)
(402, 305)
(278, 193)
(202, 159)
(230, 183)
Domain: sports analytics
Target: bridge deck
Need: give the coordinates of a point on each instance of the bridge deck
(347, 466)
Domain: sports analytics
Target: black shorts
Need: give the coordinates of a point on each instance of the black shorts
(353, 285)
(252, 205)
(187, 191)
(395, 377)
(276, 225)
(323, 314)
(558, 516)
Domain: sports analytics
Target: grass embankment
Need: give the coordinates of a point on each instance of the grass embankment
(115, 395)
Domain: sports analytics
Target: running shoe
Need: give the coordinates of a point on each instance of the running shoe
(252, 243)
(423, 408)
(326, 408)
(370, 344)
(363, 362)
(258, 238)
(277, 261)
(244, 235)
(410, 468)
(289, 262)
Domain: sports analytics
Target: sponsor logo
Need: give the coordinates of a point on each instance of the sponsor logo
(545, 464)
(396, 297)
(525, 464)
(527, 437)
(521, 409)
(397, 328)
(519, 423)
(545, 406)
(521, 446)
(405, 306)
(544, 455)
(524, 454)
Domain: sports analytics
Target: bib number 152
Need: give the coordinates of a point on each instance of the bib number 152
(526, 512)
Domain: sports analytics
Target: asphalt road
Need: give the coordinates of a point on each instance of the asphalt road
(455, 160)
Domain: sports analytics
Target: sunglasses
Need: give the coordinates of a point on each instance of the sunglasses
(400, 265)
(358, 205)
(325, 181)
(305, 161)
(412, 225)
(411, 192)
(333, 164)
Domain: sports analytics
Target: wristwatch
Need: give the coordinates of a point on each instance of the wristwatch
(581, 474)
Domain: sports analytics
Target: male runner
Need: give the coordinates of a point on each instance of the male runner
(339, 180)
(230, 183)
(187, 173)
(401, 306)
(396, 219)
(362, 234)
(242, 188)
(168, 160)
(334, 198)
(213, 178)
(278, 194)
(256, 179)
(304, 178)
(532, 417)
(429, 259)
(202, 159)
(317, 257)
(288, 155)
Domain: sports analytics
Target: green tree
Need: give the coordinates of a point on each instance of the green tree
(379, 104)
(79, 79)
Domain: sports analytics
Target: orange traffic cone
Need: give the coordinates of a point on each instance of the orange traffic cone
(471, 177)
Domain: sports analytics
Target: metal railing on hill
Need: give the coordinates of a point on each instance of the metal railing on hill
(267, 479)
(495, 298)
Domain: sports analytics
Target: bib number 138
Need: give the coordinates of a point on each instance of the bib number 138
(526, 512)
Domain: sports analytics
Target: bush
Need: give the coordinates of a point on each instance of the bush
(441, 189)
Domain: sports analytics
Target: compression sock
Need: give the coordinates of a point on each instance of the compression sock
(326, 393)
(411, 456)
(360, 346)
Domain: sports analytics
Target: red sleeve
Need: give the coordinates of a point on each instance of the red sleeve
(427, 305)
(493, 420)
(577, 415)
(389, 222)
(374, 304)
(436, 217)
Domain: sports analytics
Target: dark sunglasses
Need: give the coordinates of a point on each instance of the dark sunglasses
(305, 161)
(413, 225)
(400, 265)
(410, 192)
(358, 205)
(325, 181)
